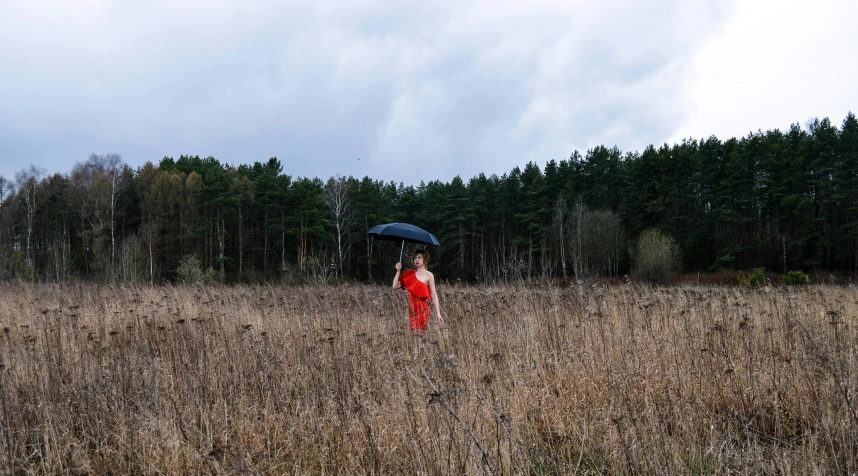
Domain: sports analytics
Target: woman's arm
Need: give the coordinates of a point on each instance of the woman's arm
(396, 283)
(434, 293)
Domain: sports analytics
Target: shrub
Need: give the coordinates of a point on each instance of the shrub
(190, 271)
(753, 279)
(796, 278)
(319, 269)
(656, 257)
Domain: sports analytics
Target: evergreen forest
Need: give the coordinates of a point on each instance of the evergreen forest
(783, 200)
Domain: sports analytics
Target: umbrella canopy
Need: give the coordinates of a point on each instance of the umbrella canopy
(403, 231)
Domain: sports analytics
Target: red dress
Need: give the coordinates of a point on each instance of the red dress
(418, 295)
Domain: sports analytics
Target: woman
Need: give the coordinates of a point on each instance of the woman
(420, 286)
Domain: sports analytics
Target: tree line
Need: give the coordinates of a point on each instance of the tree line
(780, 200)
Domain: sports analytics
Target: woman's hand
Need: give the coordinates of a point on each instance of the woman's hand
(396, 284)
(440, 320)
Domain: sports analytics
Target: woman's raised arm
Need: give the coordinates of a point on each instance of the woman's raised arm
(396, 283)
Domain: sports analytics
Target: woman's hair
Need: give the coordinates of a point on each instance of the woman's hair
(421, 252)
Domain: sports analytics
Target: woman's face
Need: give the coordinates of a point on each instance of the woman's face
(418, 260)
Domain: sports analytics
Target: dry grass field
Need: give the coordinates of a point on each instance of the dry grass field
(274, 380)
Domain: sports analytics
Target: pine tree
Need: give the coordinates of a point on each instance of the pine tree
(846, 184)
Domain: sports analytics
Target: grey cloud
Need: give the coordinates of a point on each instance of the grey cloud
(354, 88)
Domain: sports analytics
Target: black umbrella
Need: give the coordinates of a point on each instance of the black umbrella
(404, 232)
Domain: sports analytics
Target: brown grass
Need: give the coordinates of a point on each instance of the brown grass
(324, 380)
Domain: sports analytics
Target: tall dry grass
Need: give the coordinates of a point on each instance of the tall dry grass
(276, 380)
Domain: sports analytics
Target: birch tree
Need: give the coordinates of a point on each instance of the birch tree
(27, 183)
(98, 185)
(118, 184)
(337, 198)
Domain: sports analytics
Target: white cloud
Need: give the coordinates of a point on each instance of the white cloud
(774, 63)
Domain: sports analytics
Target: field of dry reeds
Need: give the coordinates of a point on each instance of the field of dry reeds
(310, 380)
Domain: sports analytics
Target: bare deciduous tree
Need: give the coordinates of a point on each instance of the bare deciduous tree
(560, 219)
(579, 258)
(149, 230)
(118, 185)
(62, 255)
(605, 243)
(337, 198)
(242, 188)
(27, 183)
(132, 259)
(97, 186)
(5, 190)
(597, 240)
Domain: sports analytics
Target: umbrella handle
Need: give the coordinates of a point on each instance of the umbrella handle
(401, 249)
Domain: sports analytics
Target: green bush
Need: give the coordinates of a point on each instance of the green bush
(753, 279)
(796, 278)
(656, 257)
(190, 271)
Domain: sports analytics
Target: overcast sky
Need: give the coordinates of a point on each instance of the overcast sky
(405, 91)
